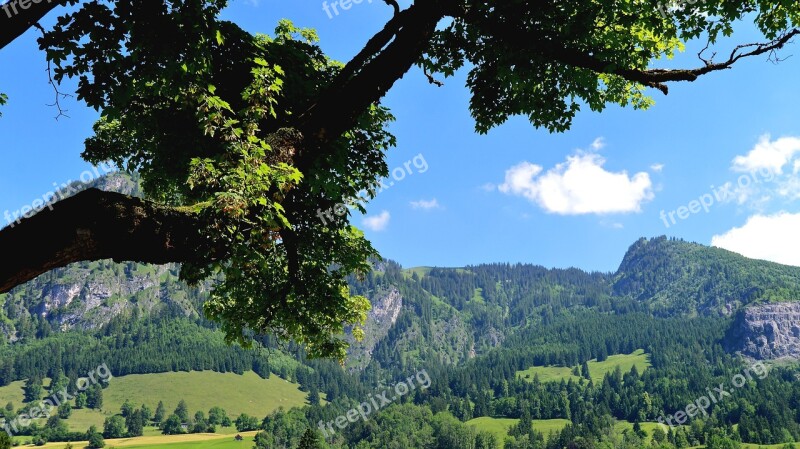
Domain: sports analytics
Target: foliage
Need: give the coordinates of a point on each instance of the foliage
(95, 439)
(114, 427)
(219, 102)
(310, 440)
(246, 423)
(172, 425)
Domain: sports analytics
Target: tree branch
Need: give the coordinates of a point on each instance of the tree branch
(370, 75)
(15, 21)
(655, 78)
(95, 225)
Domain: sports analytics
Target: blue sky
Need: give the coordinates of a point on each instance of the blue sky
(518, 194)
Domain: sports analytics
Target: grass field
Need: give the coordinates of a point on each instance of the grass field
(625, 362)
(647, 427)
(197, 440)
(598, 370)
(421, 271)
(236, 394)
(548, 373)
(500, 426)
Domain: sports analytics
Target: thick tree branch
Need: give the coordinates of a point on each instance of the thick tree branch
(95, 225)
(374, 71)
(15, 21)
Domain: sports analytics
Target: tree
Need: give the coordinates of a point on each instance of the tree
(585, 371)
(217, 416)
(313, 395)
(5, 440)
(146, 413)
(64, 410)
(226, 141)
(33, 390)
(310, 440)
(127, 408)
(659, 436)
(182, 411)
(94, 397)
(114, 427)
(135, 423)
(172, 426)
(59, 382)
(160, 412)
(200, 423)
(245, 423)
(80, 400)
(95, 439)
(263, 440)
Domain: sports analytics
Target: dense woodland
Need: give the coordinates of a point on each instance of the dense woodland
(510, 318)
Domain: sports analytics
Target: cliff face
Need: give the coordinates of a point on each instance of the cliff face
(768, 331)
(386, 307)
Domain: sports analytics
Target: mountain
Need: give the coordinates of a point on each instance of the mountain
(685, 311)
(678, 277)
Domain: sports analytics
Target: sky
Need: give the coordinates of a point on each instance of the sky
(716, 161)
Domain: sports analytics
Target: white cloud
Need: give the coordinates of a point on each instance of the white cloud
(377, 222)
(425, 204)
(767, 155)
(767, 237)
(579, 186)
(598, 144)
(488, 187)
(657, 167)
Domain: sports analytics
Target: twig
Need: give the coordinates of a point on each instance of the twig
(59, 95)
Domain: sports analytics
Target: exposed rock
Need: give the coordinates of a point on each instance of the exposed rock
(386, 307)
(767, 331)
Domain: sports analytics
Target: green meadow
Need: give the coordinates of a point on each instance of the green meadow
(597, 370)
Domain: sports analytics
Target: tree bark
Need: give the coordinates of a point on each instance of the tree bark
(95, 225)
(15, 21)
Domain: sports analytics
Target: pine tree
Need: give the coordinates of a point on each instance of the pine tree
(33, 389)
(94, 397)
(309, 440)
(313, 395)
(182, 411)
(160, 412)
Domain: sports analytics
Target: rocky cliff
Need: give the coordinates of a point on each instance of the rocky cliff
(386, 307)
(767, 331)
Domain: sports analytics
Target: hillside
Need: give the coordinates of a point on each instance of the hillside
(678, 277)
(236, 394)
(483, 332)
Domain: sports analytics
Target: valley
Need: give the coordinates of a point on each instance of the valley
(520, 356)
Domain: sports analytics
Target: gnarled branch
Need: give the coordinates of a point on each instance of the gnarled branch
(95, 225)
